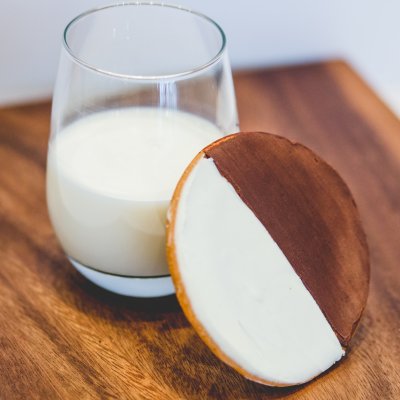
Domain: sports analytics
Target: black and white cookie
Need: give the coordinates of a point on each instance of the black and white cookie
(268, 257)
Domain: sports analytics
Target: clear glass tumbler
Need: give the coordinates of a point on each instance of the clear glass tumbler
(141, 88)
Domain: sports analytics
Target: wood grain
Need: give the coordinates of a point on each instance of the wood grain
(63, 338)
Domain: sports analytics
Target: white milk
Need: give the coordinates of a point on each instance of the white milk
(110, 177)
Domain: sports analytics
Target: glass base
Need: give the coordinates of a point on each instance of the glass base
(133, 286)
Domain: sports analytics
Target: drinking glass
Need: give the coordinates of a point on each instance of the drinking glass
(141, 88)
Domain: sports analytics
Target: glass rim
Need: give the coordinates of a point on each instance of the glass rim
(177, 75)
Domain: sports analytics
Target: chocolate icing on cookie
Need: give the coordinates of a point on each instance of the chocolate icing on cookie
(309, 212)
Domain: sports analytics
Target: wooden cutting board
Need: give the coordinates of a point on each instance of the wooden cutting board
(63, 338)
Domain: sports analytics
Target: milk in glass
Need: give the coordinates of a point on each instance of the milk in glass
(109, 181)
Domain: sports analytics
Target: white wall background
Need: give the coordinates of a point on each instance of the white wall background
(260, 33)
